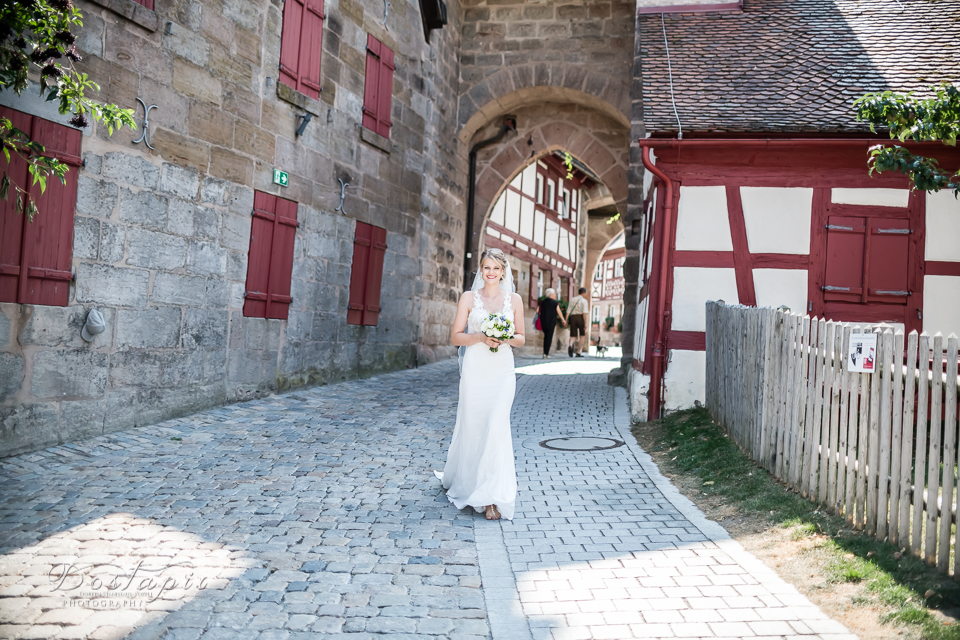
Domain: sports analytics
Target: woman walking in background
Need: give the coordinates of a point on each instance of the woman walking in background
(549, 311)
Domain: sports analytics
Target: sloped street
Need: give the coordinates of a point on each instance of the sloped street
(316, 514)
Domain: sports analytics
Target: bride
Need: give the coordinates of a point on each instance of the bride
(480, 469)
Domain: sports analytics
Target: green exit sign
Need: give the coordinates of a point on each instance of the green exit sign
(280, 177)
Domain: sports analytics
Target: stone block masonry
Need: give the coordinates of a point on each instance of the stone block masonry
(162, 236)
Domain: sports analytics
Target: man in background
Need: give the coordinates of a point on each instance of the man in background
(577, 318)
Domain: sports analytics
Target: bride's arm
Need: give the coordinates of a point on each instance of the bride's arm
(518, 339)
(458, 336)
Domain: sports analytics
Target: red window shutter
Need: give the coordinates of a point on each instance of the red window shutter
(147, 3)
(258, 260)
(888, 261)
(385, 92)
(281, 260)
(371, 304)
(311, 40)
(48, 240)
(371, 87)
(846, 239)
(293, 11)
(273, 233)
(363, 239)
(11, 221)
(300, 45)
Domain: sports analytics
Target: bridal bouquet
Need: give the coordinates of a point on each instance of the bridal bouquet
(498, 326)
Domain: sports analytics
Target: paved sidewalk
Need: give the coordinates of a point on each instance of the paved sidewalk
(316, 514)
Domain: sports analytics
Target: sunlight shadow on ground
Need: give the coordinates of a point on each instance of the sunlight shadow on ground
(567, 367)
(108, 576)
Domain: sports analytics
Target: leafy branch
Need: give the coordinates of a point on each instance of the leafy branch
(35, 35)
(909, 118)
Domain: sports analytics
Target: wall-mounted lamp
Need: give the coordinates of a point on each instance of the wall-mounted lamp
(304, 119)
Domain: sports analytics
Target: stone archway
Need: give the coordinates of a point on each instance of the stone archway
(597, 137)
(502, 95)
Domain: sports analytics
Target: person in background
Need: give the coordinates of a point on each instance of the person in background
(549, 311)
(577, 317)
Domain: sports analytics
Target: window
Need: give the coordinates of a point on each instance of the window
(551, 195)
(378, 87)
(366, 274)
(868, 260)
(147, 3)
(35, 257)
(596, 313)
(270, 263)
(300, 42)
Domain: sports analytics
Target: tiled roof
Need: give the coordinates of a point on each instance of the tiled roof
(793, 65)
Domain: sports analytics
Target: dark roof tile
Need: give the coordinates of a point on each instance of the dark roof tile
(793, 65)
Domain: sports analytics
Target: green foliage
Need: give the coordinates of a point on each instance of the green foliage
(36, 36)
(608, 321)
(917, 120)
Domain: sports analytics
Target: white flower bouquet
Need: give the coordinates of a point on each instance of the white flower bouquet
(499, 326)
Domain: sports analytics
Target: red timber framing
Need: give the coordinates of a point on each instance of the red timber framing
(366, 274)
(564, 212)
(270, 263)
(378, 87)
(301, 45)
(36, 257)
(897, 234)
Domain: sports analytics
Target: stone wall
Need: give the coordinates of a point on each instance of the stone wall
(563, 68)
(162, 236)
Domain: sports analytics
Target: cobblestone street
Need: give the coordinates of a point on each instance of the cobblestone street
(316, 514)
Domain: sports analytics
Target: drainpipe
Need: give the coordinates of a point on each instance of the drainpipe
(509, 124)
(659, 346)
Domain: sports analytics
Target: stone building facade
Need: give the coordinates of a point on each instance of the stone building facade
(162, 232)
(162, 236)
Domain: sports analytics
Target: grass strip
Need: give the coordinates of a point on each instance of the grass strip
(697, 447)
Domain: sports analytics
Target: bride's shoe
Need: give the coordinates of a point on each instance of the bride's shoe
(492, 512)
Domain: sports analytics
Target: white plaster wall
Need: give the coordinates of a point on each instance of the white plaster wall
(777, 287)
(638, 385)
(702, 220)
(684, 380)
(941, 304)
(777, 219)
(874, 197)
(943, 228)
(692, 287)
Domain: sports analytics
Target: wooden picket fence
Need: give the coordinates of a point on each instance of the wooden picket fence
(879, 449)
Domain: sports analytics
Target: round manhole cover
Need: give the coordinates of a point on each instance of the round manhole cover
(581, 444)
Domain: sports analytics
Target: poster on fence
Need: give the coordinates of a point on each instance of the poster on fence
(862, 353)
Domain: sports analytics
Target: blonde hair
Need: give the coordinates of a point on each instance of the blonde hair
(499, 257)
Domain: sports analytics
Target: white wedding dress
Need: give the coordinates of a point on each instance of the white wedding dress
(480, 468)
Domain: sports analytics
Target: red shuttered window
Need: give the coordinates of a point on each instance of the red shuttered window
(35, 256)
(378, 87)
(147, 3)
(270, 263)
(366, 274)
(868, 260)
(300, 42)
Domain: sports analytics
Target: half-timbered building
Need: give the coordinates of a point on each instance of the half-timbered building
(760, 192)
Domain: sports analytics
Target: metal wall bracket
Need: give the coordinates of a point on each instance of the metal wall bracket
(386, 11)
(146, 124)
(343, 194)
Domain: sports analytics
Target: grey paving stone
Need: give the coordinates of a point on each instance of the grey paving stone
(316, 514)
